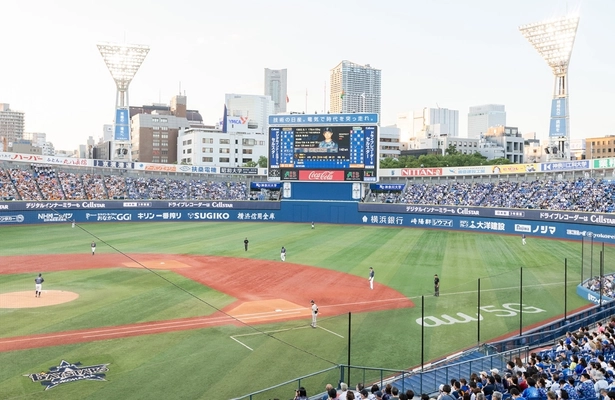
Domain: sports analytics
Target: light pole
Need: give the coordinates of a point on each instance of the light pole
(554, 40)
(123, 62)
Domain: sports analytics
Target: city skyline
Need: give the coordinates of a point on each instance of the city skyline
(442, 53)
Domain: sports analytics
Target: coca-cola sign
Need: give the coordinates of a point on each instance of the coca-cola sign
(321, 176)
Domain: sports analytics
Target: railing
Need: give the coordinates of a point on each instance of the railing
(426, 381)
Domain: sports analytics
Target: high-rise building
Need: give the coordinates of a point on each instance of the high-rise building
(355, 88)
(248, 111)
(276, 88)
(435, 122)
(12, 124)
(481, 118)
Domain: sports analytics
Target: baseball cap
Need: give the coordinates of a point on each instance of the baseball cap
(494, 371)
(378, 393)
(464, 388)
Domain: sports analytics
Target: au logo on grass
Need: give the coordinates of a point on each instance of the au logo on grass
(67, 372)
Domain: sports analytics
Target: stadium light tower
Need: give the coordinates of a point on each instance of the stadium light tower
(123, 62)
(554, 40)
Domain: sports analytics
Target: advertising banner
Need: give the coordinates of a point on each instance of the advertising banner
(564, 165)
(122, 125)
(558, 108)
(388, 187)
(421, 171)
(601, 163)
(557, 127)
(318, 119)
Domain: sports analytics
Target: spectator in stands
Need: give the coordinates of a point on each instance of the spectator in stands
(343, 391)
(513, 383)
(514, 393)
(569, 389)
(410, 394)
(542, 386)
(518, 365)
(531, 390)
(489, 388)
(395, 393)
(386, 395)
(332, 394)
(301, 394)
(600, 383)
(585, 389)
(328, 387)
(445, 393)
(496, 395)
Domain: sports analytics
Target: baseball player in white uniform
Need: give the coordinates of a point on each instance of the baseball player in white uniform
(314, 314)
(371, 277)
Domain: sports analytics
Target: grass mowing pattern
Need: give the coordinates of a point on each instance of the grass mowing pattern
(206, 363)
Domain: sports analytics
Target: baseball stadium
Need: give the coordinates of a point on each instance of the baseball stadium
(174, 304)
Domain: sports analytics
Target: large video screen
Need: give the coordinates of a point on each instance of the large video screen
(321, 153)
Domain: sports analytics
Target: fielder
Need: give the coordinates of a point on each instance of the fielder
(371, 278)
(314, 314)
(283, 254)
(93, 247)
(38, 287)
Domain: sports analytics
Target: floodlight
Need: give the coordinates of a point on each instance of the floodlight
(123, 62)
(554, 39)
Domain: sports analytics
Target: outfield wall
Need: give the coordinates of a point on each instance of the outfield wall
(553, 224)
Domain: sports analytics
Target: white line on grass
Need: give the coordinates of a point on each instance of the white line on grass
(331, 332)
(497, 289)
(243, 344)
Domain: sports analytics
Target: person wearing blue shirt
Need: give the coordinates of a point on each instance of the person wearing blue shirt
(328, 143)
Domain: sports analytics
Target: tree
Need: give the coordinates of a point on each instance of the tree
(262, 162)
(451, 150)
(250, 164)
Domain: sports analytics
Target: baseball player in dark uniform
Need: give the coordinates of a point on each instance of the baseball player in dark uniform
(436, 285)
(245, 243)
(38, 287)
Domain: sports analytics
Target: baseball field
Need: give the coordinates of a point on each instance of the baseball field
(182, 311)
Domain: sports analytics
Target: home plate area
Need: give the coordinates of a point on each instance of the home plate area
(261, 311)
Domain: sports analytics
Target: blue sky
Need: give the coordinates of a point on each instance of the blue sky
(449, 53)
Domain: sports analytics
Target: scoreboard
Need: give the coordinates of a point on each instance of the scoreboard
(328, 153)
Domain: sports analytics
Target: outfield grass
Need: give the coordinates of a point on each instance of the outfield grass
(207, 364)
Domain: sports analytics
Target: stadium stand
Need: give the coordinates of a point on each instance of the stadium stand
(581, 194)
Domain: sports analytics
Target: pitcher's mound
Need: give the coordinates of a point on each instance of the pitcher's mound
(27, 299)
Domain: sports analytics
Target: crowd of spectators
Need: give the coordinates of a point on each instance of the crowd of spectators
(45, 183)
(604, 285)
(580, 367)
(583, 194)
